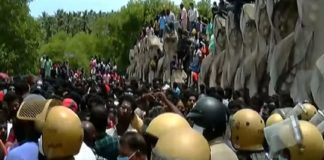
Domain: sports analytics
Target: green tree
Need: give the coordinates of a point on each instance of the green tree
(204, 8)
(77, 49)
(80, 48)
(109, 35)
(186, 3)
(19, 38)
(56, 46)
(7, 57)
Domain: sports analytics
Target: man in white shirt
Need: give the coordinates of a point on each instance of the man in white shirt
(183, 17)
(170, 19)
(42, 62)
(193, 17)
(170, 16)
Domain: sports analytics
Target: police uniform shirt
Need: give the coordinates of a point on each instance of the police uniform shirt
(220, 151)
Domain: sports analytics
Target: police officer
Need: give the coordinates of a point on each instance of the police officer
(303, 142)
(165, 123)
(247, 135)
(161, 125)
(210, 117)
(62, 141)
(303, 111)
(309, 111)
(273, 119)
(184, 144)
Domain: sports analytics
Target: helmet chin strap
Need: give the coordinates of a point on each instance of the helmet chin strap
(198, 128)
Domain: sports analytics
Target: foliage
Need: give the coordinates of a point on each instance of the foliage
(186, 3)
(7, 57)
(77, 49)
(19, 38)
(204, 8)
(69, 22)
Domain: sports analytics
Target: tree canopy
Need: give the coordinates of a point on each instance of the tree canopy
(19, 37)
(75, 36)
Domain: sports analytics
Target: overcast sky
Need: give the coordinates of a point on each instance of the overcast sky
(50, 6)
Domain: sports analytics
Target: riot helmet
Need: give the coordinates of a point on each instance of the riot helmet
(184, 144)
(61, 141)
(211, 115)
(247, 130)
(294, 140)
(273, 119)
(166, 122)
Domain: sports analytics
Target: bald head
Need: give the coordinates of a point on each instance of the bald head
(89, 133)
(98, 117)
(88, 127)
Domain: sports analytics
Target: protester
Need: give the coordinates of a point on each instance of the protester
(105, 146)
(127, 119)
(193, 16)
(42, 66)
(214, 9)
(170, 16)
(132, 146)
(3, 133)
(222, 6)
(27, 137)
(190, 99)
(22, 89)
(183, 17)
(12, 102)
(162, 22)
(48, 67)
(70, 103)
(89, 133)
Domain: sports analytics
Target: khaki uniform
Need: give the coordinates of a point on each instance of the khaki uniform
(250, 155)
(220, 151)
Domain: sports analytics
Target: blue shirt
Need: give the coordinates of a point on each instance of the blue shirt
(177, 92)
(26, 151)
(194, 66)
(162, 22)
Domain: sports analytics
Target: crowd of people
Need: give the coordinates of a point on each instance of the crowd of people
(50, 70)
(191, 27)
(187, 20)
(60, 119)
(106, 70)
(63, 115)
(99, 69)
